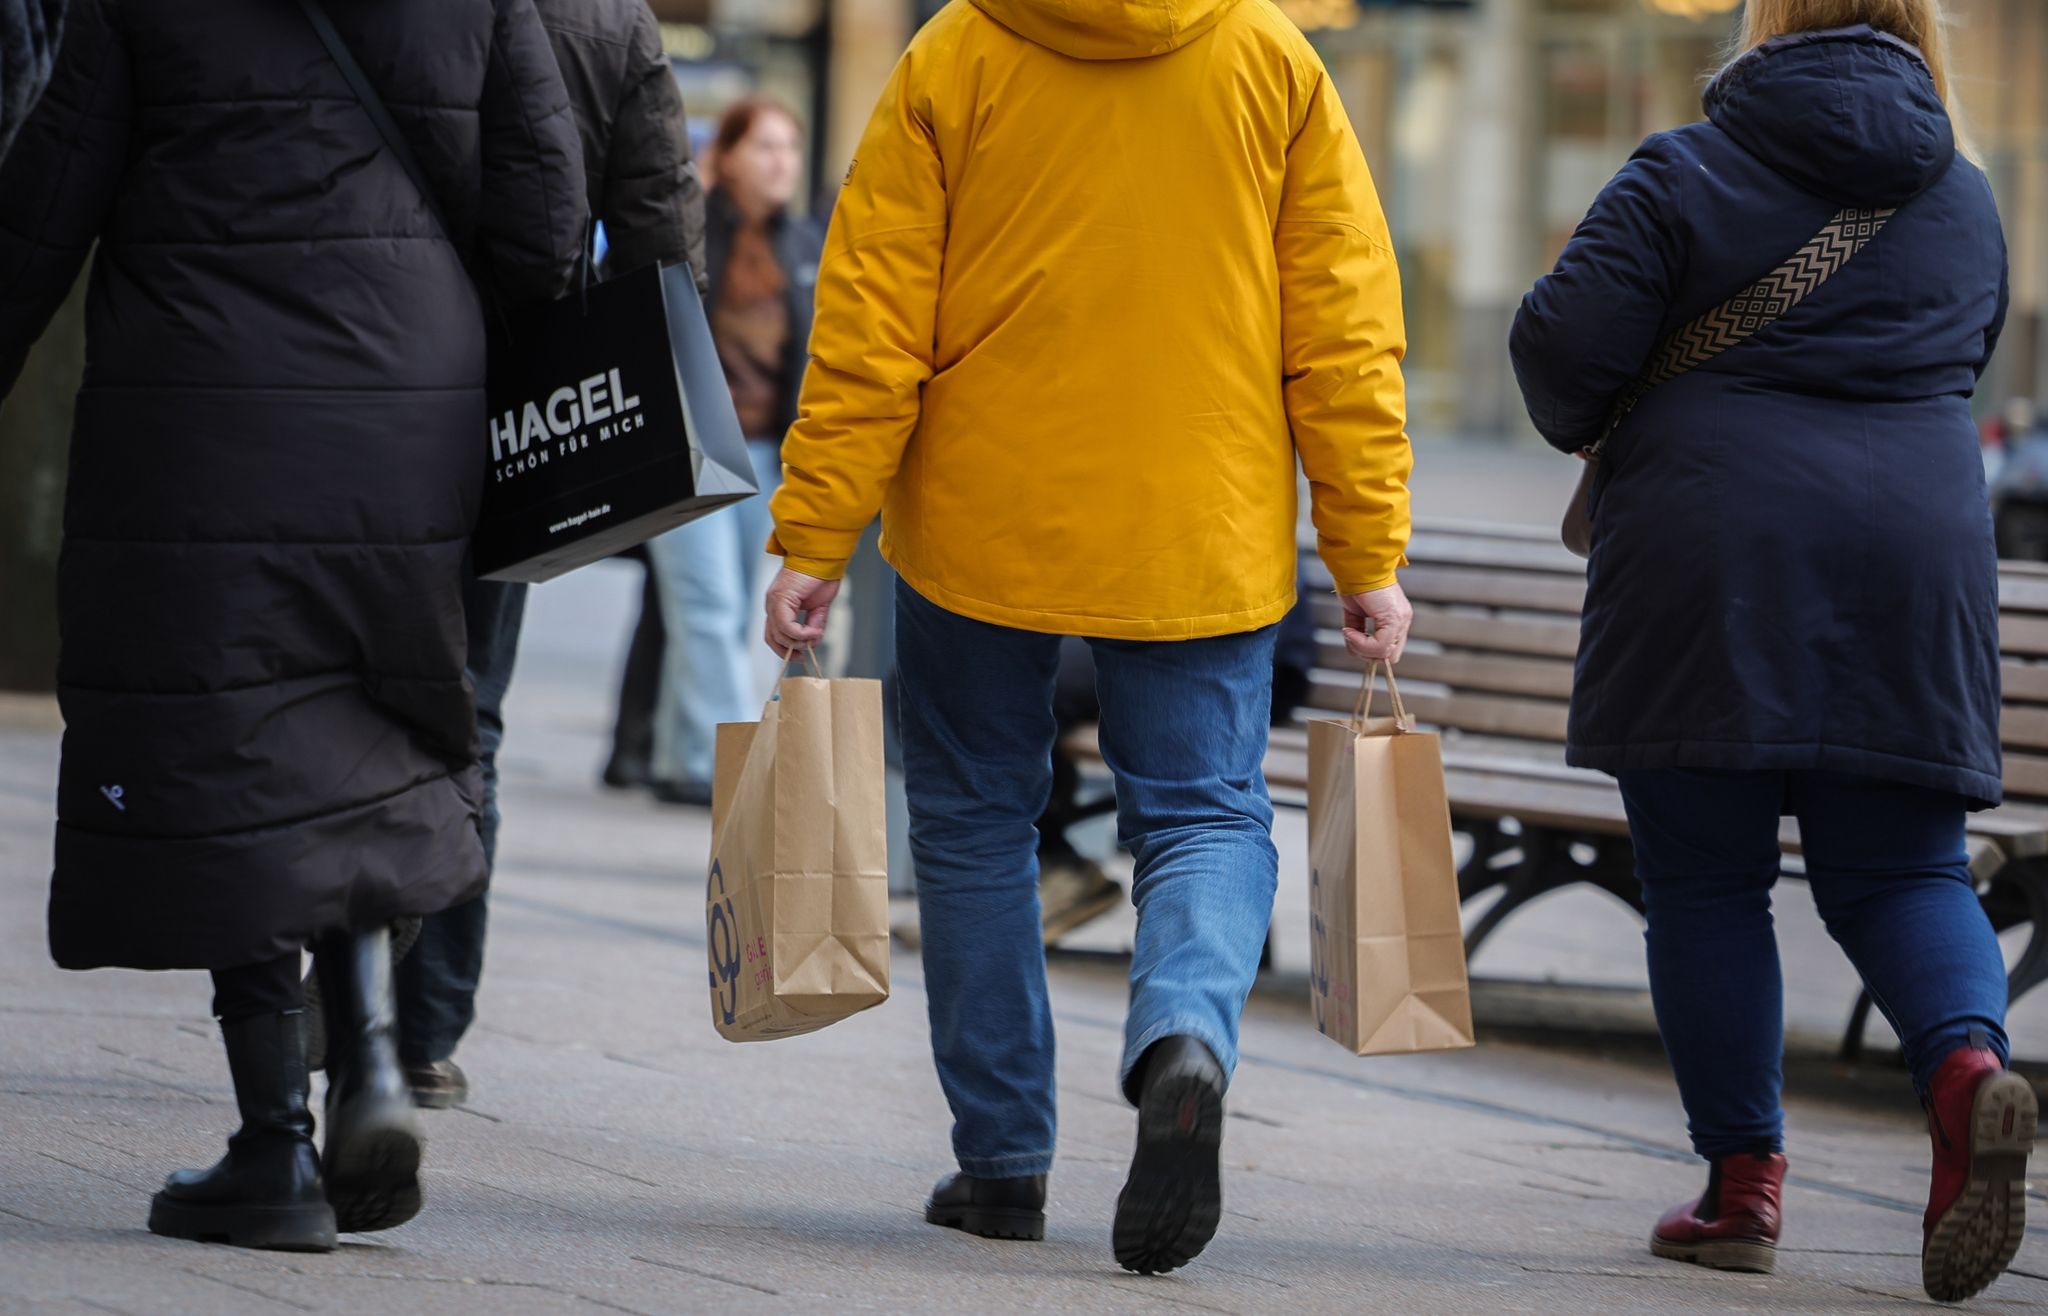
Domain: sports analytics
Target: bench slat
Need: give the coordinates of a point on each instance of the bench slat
(2026, 777)
(1492, 715)
(1431, 548)
(1493, 589)
(2023, 635)
(2022, 590)
(1540, 678)
(2017, 725)
(2023, 681)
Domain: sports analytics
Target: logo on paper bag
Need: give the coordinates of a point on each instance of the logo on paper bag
(723, 937)
(1319, 966)
(569, 420)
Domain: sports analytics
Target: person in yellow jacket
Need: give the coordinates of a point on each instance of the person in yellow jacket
(1101, 272)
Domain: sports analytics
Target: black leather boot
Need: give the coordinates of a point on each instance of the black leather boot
(266, 1192)
(1173, 1201)
(992, 1208)
(373, 1133)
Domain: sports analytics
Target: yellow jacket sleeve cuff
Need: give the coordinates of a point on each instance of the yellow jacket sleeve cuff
(1348, 588)
(819, 568)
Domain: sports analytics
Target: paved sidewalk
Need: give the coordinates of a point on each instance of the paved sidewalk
(618, 1156)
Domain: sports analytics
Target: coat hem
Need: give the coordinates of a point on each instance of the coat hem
(1979, 790)
(246, 897)
(1089, 626)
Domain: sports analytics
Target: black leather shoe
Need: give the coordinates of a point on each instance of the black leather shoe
(992, 1208)
(266, 1192)
(625, 774)
(1173, 1201)
(438, 1084)
(373, 1133)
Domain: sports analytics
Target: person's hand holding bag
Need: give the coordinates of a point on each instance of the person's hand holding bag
(1389, 614)
(797, 607)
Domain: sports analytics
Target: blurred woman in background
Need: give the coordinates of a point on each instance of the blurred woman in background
(763, 263)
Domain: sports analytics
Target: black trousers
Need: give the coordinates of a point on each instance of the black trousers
(640, 685)
(436, 984)
(272, 987)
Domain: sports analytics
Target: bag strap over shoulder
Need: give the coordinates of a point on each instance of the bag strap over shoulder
(373, 105)
(1755, 308)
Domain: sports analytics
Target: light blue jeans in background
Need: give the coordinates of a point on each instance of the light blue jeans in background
(712, 573)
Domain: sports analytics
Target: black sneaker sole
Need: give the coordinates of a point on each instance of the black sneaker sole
(1173, 1201)
(1009, 1222)
(1978, 1237)
(305, 1228)
(373, 1174)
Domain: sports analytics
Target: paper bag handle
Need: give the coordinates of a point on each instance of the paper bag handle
(1402, 722)
(775, 690)
(790, 657)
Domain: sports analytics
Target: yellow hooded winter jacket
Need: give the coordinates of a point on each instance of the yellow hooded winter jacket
(1100, 270)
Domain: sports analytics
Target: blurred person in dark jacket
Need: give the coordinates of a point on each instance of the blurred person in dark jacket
(643, 187)
(29, 30)
(269, 741)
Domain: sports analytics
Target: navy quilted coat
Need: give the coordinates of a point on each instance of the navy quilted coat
(1792, 563)
(277, 460)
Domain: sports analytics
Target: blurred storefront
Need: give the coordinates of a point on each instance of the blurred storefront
(825, 59)
(1490, 125)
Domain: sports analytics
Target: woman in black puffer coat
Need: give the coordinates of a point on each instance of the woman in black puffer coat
(269, 742)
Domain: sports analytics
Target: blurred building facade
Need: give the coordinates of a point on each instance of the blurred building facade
(1490, 125)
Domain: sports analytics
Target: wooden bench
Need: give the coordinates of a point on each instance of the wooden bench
(1490, 668)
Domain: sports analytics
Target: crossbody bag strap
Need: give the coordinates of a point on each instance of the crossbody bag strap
(373, 105)
(1755, 308)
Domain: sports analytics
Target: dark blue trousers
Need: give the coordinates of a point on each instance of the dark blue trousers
(436, 984)
(1890, 874)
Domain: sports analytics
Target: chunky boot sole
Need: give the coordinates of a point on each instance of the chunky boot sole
(305, 1228)
(1011, 1222)
(1977, 1238)
(373, 1166)
(1749, 1256)
(1173, 1201)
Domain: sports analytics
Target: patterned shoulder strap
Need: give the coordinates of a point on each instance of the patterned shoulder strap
(1764, 302)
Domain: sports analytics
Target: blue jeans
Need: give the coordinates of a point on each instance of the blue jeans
(712, 572)
(1890, 874)
(1184, 731)
(435, 984)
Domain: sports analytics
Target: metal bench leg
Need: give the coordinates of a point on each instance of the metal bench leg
(1859, 1019)
(1548, 863)
(1480, 871)
(2030, 885)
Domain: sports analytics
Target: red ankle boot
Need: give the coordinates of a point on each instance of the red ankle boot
(1735, 1225)
(1982, 1121)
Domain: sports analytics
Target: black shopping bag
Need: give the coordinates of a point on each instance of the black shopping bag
(610, 423)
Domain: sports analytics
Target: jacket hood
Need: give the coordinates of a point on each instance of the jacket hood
(1107, 29)
(1850, 114)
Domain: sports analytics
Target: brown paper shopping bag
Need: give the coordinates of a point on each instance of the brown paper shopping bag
(1387, 954)
(797, 903)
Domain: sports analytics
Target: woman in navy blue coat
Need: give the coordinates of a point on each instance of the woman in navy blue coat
(1792, 601)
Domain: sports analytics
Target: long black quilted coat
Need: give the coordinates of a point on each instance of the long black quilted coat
(278, 452)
